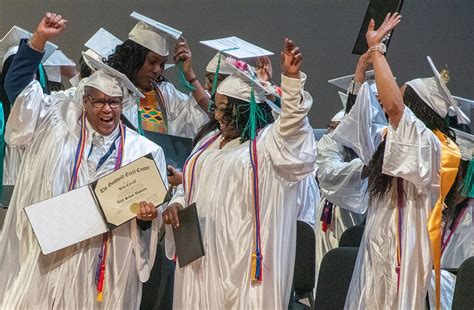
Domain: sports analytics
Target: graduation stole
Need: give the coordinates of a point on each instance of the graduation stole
(450, 158)
(100, 270)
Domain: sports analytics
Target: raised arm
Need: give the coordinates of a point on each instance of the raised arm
(389, 93)
(183, 53)
(290, 143)
(29, 56)
(363, 64)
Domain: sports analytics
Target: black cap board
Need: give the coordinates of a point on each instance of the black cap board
(377, 10)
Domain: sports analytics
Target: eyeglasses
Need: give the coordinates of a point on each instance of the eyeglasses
(113, 102)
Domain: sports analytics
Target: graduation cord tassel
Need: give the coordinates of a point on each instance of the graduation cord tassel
(216, 75)
(257, 256)
(467, 185)
(182, 79)
(139, 127)
(101, 266)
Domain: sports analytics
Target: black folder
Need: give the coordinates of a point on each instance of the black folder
(188, 238)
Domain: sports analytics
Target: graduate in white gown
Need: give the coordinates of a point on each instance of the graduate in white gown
(222, 190)
(165, 109)
(50, 128)
(407, 183)
(343, 198)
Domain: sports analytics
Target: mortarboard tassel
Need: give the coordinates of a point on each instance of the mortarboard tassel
(182, 79)
(467, 185)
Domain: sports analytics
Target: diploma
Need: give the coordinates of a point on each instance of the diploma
(99, 207)
(119, 193)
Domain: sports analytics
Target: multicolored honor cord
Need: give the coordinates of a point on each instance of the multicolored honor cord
(192, 161)
(101, 266)
(257, 256)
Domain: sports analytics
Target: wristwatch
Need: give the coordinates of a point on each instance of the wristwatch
(381, 48)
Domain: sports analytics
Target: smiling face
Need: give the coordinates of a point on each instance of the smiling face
(223, 114)
(152, 68)
(102, 111)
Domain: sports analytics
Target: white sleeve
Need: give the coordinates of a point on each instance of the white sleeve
(185, 116)
(340, 181)
(361, 129)
(290, 143)
(29, 111)
(412, 151)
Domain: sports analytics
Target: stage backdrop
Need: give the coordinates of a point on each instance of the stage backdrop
(324, 29)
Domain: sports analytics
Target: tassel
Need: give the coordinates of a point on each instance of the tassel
(100, 297)
(182, 79)
(467, 185)
(140, 128)
(257, 267)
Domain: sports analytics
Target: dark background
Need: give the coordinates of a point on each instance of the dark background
(324, 29)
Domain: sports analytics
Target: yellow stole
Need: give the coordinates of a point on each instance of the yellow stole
(450, 158)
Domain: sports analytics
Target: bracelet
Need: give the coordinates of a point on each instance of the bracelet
(194, 79)
(31, 46)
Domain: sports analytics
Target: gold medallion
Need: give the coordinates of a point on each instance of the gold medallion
(135, 207)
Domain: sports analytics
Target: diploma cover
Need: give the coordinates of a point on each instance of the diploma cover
(101, 206)
(188, 238)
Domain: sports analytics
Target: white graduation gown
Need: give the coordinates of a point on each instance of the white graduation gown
(412, 153)
(48, 128)
(185, 116)
(307, 198)
(223, 195)
(341, 184)
(12, 160)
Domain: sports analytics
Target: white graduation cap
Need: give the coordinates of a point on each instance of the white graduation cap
(103, 43)
(239, 85)
(343, 82)
(224, 67)
(53, 65)
(236, 47)
(249, 72)
(434, 92)
(465, 142)
(343, 97)
(152, 34)
(105, 83)
(466, 105)
(9, 44)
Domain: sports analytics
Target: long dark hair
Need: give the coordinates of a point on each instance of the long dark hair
(379, 183)
(128, 58)
(236, 114)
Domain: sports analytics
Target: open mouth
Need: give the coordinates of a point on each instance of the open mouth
(107, 120)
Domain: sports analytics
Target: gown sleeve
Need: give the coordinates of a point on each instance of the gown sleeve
(290, 143)
(361, 129)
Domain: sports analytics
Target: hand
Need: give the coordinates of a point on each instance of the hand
(176, 177)
(170, 215)
(182, 52)
(291, 59)
(147, 211)
(51, 26)
(264, 68)
(374, 37)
